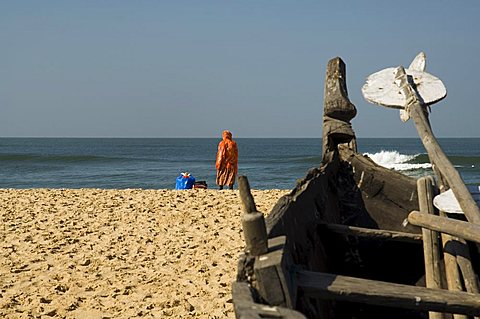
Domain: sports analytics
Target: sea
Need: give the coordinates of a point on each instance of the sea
(155, 163)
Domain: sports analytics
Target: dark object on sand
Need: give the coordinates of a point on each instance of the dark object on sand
(340, 245)
(200, 184)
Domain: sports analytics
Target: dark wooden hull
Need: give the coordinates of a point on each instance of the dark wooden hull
(330, 195)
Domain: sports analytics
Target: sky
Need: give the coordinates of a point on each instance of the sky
(117, 68)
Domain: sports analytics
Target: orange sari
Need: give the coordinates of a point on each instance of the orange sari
(227, 160)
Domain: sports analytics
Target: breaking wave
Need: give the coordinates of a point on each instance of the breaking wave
(399, 162)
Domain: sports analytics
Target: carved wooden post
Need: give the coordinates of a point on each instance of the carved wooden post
(272, 264)
(337, 108)
(253, 222)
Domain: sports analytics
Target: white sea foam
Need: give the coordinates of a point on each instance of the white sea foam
(397, 161)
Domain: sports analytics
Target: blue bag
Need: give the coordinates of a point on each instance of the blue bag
(185, 181)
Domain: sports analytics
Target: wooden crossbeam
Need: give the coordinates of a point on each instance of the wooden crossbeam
(336, 287)
(466, 230)
(379, 234)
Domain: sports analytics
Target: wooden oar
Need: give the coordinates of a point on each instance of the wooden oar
(415, 91)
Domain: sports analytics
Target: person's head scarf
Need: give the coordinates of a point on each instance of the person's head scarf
(227, 135)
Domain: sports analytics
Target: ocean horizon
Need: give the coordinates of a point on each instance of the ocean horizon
(154, 163)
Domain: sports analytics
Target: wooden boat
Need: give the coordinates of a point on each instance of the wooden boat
(346, 242)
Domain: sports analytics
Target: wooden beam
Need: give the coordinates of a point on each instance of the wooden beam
(335, 287)
(431, 249)
(457, 249)
(379, 234)
(460, 248)
(273, 275)
(246, 308)
(452, 272)
(450, 226)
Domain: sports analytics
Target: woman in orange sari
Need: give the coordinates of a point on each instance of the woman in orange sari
(227, 161)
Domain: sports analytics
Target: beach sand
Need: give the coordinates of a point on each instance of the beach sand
(93, 253)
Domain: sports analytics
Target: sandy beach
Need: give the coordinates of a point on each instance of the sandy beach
(93, 253)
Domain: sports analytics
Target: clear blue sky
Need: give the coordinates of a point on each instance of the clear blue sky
(113, 68)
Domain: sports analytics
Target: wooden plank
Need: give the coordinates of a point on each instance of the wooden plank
(450, 226)
(388, 196)
(379, 234)
(452, 272)
(241, 292)
(460, 249)
(431, 250)
(272, 272)
(335, 287)
(246, 308)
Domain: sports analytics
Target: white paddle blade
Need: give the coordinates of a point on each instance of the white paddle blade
(419, 63)
(447, 201)
(380, 88)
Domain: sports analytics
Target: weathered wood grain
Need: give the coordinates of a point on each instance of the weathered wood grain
(335, 100)
(431, 250)
(335, 287)
(245, 308)
(253, 222)
(272, 271)
(379, 234)
(245, 195)
(452, 273)
(462, 254)
(388, 196)
(450, 226)
(337, 108)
